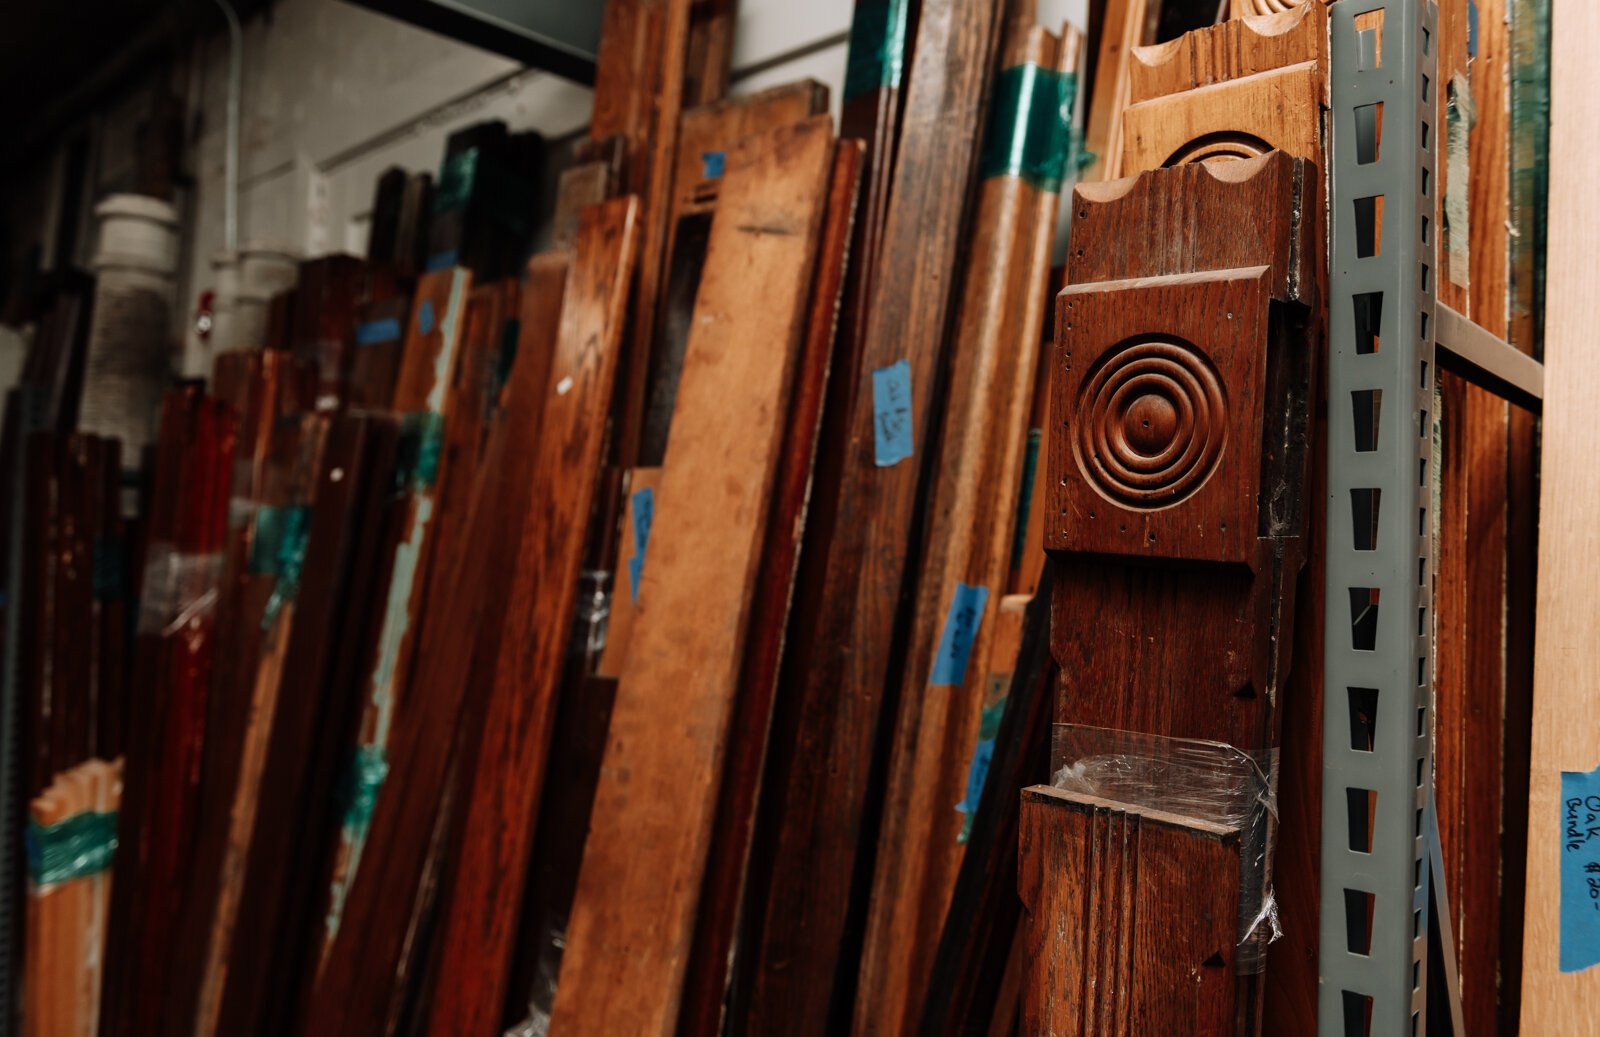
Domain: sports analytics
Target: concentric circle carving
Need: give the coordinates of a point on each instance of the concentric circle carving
(1152, 423)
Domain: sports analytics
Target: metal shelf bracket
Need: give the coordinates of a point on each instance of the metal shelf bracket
(1377, 732)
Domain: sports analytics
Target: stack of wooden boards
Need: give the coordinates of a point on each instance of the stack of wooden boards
(653, 635)
(373, 564)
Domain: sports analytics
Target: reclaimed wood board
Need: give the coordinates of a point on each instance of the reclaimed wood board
(845, 640)
(185, 530)
(960, 575)
(705, 134)
(967, 980)
(706, 983)
(1121, 28)
(422, 396)
(312, 724)
(632, 919)
(1120, 937)
(504, 783)
(1223, 549)
(870, 110)
(262, 556)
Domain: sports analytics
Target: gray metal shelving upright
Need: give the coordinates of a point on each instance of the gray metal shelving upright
(1377, 732)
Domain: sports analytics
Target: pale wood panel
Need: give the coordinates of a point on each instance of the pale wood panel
(1566, 696)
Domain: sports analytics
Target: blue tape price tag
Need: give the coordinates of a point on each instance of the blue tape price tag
(644, 513)
(891, 413)
(375, 331)
(425, 319)
(960, 630)
(713, 162)
(1580, 870)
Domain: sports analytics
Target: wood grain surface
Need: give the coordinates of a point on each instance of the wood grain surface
(632, 918)
(706, 984)
(845, 634)
(1120, 937)
(1566, 692)
(1234, 49)
(524, 671)
(970, 531)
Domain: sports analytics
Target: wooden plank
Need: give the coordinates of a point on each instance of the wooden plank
(706, 982)
(311, 728)
(650, 831)
(1528, 126)
(186, 525)
(1121, 29)
(870, 110)
(968, 981)
(519, 418)
(1233, 49)
(1566, 664)
(525, 670)
(640, 80)
(705, 134)
(1121, 938)
(970, 532)
(844, 640)
(422, 398)
(1491, 898)
(274, 545)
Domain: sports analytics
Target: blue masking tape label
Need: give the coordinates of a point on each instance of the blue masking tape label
(713, 162)
(960, 630)
(441, 260)
(425, 317)
(375, 331)
(644, 513)
(1580, 870)
(891, 413)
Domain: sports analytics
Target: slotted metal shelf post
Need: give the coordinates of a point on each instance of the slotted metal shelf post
(1377, 732)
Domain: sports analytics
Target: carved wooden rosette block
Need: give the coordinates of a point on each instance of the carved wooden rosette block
(1146, 950)
(1183, 398)
(1182, 389)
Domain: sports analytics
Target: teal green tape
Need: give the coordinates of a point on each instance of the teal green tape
(421, 440)
(1030, 126)
(278, 548)
(877, 55)
(1030, 473)
(368, 770)
(504, 357)
(455, 180)
(72, 848)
